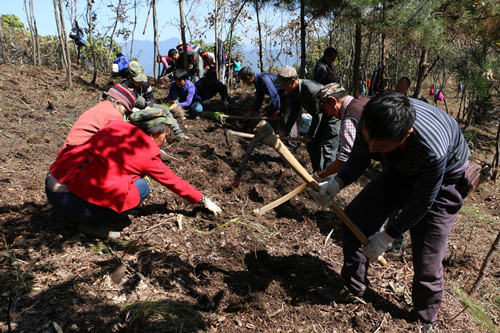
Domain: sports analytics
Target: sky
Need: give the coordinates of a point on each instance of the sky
(44, 14)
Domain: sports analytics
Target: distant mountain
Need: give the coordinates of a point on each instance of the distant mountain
(144, 52)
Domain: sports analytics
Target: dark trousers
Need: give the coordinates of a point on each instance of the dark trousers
(387, 191)
(323, 147)
(71, 207)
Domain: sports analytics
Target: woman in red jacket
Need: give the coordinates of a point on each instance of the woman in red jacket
(96, 181)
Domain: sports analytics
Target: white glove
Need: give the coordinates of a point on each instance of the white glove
(327, 191)
(378, 243)
(140, 103)
(316, 177)
(211, 206)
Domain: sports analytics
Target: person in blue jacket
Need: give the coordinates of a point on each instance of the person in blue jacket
(264, 85)
(123, 62)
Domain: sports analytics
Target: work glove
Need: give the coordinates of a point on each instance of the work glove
(181, 136)
(378, 243)
(140, 103)
(210, 205)
(327, 191)
(316, 177)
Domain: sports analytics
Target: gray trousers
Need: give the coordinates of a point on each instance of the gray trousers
(323, 147)
(388, 191)
(175, 127)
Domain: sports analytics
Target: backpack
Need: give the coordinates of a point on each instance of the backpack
(440, 96)
(431, 91)
(77, 35)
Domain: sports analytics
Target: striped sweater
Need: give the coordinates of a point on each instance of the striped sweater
(435, 149)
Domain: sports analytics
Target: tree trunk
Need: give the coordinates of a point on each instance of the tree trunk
(155, 29)
(110, 48)
(496, 158)
(4, 57)
(259, 29)
(133, 30)
(302, 73)
(65, 45)
(216, 15)
(58, 24)
(357, 59)
(183, 36)
(484, 267)
(61, 30)
(30, 15)
(91, 41)
(421, 72)
(231, 29)
(29, 18)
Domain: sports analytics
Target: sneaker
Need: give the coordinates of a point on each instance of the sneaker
(181, 136)
(98, 232)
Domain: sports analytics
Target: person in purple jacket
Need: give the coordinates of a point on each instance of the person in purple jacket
(183, 94)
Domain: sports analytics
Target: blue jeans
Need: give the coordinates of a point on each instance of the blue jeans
(71, 207)
(196, 107)
(362, 89)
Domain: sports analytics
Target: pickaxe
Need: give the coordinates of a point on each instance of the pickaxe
(265, 134)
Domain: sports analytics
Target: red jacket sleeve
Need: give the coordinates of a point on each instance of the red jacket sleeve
(157, 170)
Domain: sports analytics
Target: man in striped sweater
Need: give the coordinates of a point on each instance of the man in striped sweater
(425, 155)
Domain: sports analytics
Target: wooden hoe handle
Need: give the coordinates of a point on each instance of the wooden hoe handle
(286, 155)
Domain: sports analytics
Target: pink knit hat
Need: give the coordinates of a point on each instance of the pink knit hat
(124, 95)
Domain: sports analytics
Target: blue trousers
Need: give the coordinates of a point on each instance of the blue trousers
(71, 207)
(388, 191)
(196, 107)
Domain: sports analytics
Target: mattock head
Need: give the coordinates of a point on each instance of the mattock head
(262, 130)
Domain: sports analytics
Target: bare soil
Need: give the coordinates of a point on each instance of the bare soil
(177, 268)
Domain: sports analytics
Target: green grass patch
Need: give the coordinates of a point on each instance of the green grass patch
(179, 316)
(477, 215)
(470, 134)
(100, 247)
(477, 312)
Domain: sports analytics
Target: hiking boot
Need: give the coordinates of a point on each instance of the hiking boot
(98, 232)
(428, 328)
(181, 136)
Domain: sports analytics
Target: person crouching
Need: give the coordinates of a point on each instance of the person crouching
(96, 181)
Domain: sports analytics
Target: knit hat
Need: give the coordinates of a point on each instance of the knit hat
(124, 95)
(285, 74)
(137, 71)
(145, 119)
(326, 92)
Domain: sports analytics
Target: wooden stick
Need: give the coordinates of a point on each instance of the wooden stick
(276, 203)
(243, 118)
(273, 141)
(251, 136)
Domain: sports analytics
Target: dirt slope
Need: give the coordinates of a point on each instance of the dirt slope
(235, 273)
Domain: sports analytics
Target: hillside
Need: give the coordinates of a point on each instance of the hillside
(177, 268)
